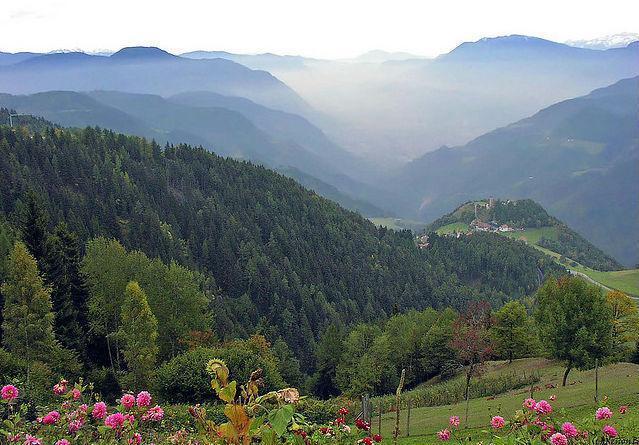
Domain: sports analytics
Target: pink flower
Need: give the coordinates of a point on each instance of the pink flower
(529, 404)
(155, 414)
(569, 429)
(497, 422)
(62, 442)
(115, 421)
(136, 439)
(610, 431)
(603, 413)
(454, 421)
(76, 394)
(558, 439)
(75, 425)
(10, 393)
(543, 407)
(32, 440)
(99, 410)
(51, 418)
(83, 408)
(443, 435)
(60, 387)
(143, 399)
(127, 401)
(623, 409)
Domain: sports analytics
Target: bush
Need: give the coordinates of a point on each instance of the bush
(184, 378)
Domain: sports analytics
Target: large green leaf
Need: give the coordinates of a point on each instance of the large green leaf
(280, 418)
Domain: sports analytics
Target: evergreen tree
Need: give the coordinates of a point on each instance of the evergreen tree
(69, 293)
(139, 333)
(329, 354)
(34, 221)
(27, 315)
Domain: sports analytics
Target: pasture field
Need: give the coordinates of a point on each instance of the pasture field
(618, 385)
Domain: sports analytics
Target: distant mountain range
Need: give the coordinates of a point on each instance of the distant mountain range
(399, 110)
(578, 158)
(144, 70)
(606, 42)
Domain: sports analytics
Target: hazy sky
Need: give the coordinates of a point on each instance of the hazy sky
(326, 28)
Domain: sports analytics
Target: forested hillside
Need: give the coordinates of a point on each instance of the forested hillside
(279, 259)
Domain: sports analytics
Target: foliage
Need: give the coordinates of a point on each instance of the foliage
(625, 322)
(514, 334)
(27, 312)
(139, 334)
(574, 322)
(183, 379)
(173, 293)
(277, 252)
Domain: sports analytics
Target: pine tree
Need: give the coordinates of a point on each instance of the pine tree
(69, 293)
(33, 224)
(27, 315)
(139, 333)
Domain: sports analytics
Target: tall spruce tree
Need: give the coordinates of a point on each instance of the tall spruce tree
(69, 292)
(139, 333)
(34, 221)
(27, 315)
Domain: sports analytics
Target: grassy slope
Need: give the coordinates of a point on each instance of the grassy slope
(618, 382)
(624, 280)
(453, 227)
(398, 223)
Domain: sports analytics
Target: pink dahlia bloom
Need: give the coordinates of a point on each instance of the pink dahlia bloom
(60, 387)
(9, 392)
(75, 425)
(127, 401)
(62, 442)
(623, 409)
(51, 418)
(143, 399)
(558, 439)
(603, 413)
(610, 431)
(454, 421)
(136, 439)
(497, 422)
(99, 410)
(569, 429)
(543, 407)
(115, 421)
(443, 435)
(155, 414)
(32, 440)
(76, 394)
(529, 404)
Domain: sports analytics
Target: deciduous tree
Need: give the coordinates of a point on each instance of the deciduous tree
(575, 322)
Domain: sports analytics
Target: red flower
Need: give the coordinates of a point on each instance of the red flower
(367, 441)
(377, 438)
(342, 411)
(340, 420)
(362, 424)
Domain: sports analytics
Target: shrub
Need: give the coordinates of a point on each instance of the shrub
(184, 378)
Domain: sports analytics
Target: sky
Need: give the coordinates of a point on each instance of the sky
(326, 28)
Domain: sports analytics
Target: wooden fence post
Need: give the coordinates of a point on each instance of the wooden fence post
(408, 419)
(379, 419)
(597, 381)
(398, 395)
